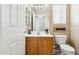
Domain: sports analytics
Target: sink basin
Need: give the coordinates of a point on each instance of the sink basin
(41, 34)
(34, 32)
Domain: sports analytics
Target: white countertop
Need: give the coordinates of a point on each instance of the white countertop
(38, 35)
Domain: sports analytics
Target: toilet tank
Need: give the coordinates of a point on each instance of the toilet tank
(61, 39)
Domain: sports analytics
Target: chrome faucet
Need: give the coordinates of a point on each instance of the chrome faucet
(38, 33)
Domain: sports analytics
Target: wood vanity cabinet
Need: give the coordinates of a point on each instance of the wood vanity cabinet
(39, 45)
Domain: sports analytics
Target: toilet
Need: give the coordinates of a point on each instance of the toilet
(65, 48)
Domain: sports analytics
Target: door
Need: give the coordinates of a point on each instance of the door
(12, 29)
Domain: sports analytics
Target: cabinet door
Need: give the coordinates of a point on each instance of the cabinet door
(31, 46)
(45, 46)
(59, 14)
(48, 46)
(40, 46)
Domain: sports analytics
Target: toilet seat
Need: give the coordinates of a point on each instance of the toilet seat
(66, 47)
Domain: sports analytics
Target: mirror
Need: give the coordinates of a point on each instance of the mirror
(39, 24)
(37, 18)
(28, 20)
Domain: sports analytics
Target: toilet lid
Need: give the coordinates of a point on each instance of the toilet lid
(67, 48)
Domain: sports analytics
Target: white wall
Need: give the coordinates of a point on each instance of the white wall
(75, 26)
(0, 27)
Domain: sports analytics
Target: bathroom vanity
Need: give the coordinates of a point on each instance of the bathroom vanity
(39, 44)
